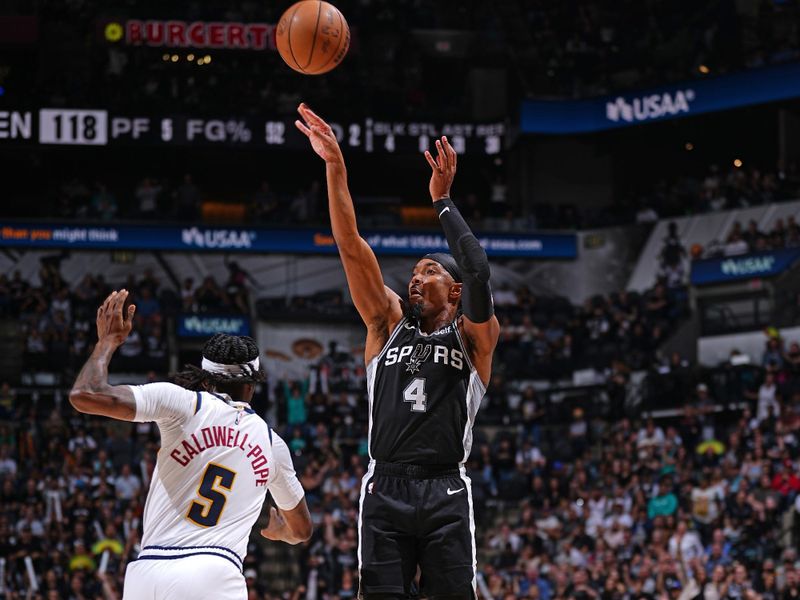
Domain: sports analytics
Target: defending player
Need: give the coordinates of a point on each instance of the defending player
(216, 463)
(427, 369)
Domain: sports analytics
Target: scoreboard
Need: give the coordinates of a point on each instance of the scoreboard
(98, 127)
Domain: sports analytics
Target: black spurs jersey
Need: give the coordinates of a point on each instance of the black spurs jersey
(423, 396)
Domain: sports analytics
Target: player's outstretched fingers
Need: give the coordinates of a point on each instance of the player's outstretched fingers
(442, 155)
(108, 299)
(452, 156)
(432, 162)
(310, 116)
(302, 127)
(119, 301)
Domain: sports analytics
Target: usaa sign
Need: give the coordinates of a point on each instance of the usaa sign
(208, 325)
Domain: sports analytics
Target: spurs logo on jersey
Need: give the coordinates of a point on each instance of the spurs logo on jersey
(424, 393)
(419, 354)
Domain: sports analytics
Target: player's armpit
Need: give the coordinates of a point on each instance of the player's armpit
(481, 339)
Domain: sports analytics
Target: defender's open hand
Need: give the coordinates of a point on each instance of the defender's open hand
(113, 323)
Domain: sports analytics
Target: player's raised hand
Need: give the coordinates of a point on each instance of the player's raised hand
(444, 169)
(114, 323)
(320, 134)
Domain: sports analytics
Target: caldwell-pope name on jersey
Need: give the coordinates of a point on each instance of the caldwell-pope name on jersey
(417, 354)
(227, 437)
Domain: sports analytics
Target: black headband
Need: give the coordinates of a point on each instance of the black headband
(447, 262)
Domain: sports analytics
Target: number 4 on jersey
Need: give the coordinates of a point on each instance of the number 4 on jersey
(206, 510)
(415, 393)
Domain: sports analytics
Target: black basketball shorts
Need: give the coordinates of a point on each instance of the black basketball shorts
(414, 515)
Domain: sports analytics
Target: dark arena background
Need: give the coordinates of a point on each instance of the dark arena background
(631, 169)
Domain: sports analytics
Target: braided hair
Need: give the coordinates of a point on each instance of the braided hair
(227, 350)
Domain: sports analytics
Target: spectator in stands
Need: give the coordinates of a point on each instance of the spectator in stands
(155, 345)
(236, 288)
(672, 258)
(147, 194)
(767, 399)
(792, 237)
(188, 298)
(773, 354)
(735, 245)
(188, 200)
(265, 204)
(295, 395)
(103, 203)
(209, 297)
(127, 485)
(133, 348)
(663, 502)
(148, 308)
(753, 237)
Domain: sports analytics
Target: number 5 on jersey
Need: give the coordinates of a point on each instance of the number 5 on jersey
(415, 393)
(207, 510)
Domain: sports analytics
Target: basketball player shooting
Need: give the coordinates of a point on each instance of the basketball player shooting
(217, 461)
(429, 360)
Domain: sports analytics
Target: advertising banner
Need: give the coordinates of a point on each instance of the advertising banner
(755, 86)
(293, 241)
(736, 268)
(204, 326)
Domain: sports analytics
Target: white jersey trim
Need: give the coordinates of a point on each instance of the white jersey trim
(367, 476)
(468, 484)
(475, 393)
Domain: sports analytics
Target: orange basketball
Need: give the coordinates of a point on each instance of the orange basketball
(312, 37)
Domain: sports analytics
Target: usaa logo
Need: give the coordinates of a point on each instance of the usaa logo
(651, 106)
(217, 238)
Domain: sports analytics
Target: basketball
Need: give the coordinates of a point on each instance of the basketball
(312, 37)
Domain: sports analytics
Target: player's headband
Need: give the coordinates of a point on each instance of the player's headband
(239, 370)
(448, 264)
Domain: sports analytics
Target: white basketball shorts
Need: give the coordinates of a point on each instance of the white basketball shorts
(199, 577)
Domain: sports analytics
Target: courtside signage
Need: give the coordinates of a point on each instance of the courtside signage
(712, 94)
(239, 239)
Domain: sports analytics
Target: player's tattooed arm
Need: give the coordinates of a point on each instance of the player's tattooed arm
(91, 393)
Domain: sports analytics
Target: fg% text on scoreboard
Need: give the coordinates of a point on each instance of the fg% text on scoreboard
(92, 127)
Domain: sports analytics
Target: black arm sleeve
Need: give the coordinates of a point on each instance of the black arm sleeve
(476, 293)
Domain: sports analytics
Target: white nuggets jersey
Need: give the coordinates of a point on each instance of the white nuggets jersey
(217, 461)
